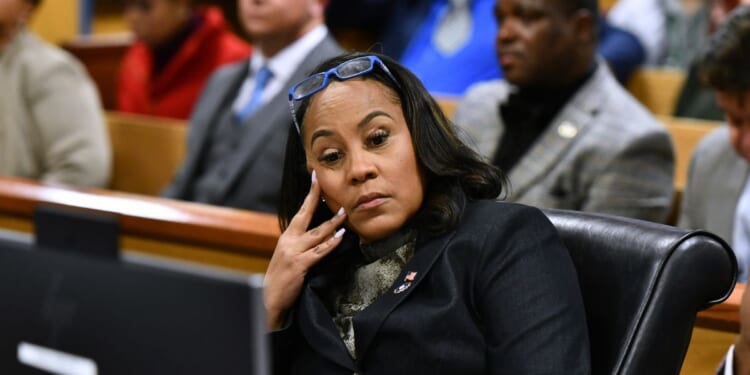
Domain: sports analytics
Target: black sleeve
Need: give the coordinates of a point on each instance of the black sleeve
(529, 299)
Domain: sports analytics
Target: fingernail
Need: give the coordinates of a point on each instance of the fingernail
(314, 176)
(340, 211)
(339, 233)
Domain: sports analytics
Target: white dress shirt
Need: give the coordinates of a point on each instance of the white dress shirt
(282, 65)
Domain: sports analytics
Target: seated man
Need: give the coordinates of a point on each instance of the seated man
(717, 193)
(178, 47)
(51, 123)
(238, 131)
(561, 127)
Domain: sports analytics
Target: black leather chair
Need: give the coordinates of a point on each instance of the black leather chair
(643, 284)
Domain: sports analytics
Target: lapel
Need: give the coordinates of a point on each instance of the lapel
(567, 128)
(210, 109)
(263, 122)
(318, 327)
(368, 322)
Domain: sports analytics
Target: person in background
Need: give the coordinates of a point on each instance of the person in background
(671, 31)
(449, 44)
(177, 48)
(429, 274)
(51, 123)
(560, 125)
(717, 192)
(696, 100)
(235, 146)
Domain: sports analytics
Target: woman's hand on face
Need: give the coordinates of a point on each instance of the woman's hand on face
(297, 250)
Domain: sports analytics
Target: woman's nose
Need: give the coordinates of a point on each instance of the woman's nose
(362, 167)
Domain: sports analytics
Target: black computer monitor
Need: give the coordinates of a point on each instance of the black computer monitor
(84, 313)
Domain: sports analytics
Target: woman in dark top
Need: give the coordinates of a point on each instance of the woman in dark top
(395, 259)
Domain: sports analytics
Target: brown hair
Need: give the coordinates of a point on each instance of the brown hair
(725, 62)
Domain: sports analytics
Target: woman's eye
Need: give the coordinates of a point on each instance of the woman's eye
(378, 138)
(329, 157)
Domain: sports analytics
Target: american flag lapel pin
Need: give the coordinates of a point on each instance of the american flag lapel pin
(408, 279)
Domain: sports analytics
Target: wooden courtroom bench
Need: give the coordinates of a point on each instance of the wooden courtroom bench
(230, 238)
(146, 151)
(685, 133)
(102, 56)
(657, 88)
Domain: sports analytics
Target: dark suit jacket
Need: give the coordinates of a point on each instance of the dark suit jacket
(253, 177)
(497, 295)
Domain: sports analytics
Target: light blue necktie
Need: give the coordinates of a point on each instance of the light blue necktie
(261, 80)
(741, 230)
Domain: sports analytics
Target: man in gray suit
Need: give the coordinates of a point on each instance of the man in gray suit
(238, 129)
(562, 128)
(717, 194)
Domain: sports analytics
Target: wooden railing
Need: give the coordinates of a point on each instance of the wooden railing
(236, 239)
(231, 238)
(724, 316)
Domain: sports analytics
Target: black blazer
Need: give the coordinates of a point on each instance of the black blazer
(497, 295)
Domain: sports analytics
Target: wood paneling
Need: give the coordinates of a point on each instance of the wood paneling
(213, 235)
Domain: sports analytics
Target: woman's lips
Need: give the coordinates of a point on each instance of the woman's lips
(369, 201)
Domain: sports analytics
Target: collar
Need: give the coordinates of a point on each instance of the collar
(16, 43)
(284, 63)
(378, 249)
(164, 53)
(541, 95)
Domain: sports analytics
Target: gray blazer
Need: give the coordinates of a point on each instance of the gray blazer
(716, 178)
(253, 180)
(604, 152)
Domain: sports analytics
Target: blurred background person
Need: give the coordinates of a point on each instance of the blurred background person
(177, 49)
(449, 44)
(235, 147)
(717, 193)
(695, 99)
(564, 130)
(51, 123)
(446, 43)
(671, 31)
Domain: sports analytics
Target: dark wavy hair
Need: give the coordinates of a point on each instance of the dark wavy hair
(725, 62)
(453, 172)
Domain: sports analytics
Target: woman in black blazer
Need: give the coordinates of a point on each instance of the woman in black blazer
(408, 265)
